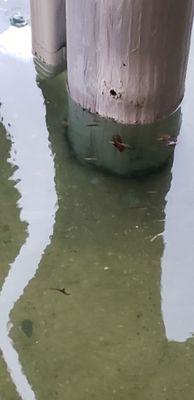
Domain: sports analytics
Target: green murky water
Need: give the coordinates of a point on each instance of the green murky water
(125, 329)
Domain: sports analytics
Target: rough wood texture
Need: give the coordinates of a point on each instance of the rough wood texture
(48, 22)
(127, 59)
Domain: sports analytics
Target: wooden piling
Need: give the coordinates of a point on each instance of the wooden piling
(48, 21)
(127, 59)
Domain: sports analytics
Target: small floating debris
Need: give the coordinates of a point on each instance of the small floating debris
(156, 236)
(90, 159)
(117, 142)
(171, 143)
(91, 125)
(63, 291)
(168, 140)
(18, 20)
(164, 138)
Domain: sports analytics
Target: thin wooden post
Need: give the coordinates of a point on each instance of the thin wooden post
(127, 59)
(48, 21)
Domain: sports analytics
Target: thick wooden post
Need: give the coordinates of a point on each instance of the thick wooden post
(48, 22)
(127, 59)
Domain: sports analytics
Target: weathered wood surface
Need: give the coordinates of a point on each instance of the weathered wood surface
(48, 21)
(127, 59)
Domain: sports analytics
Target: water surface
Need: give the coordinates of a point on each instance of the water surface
(122, 248)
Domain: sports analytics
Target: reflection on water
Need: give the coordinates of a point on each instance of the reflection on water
(110, 328)
(178, 258)
(35, 174)
(146, 148)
